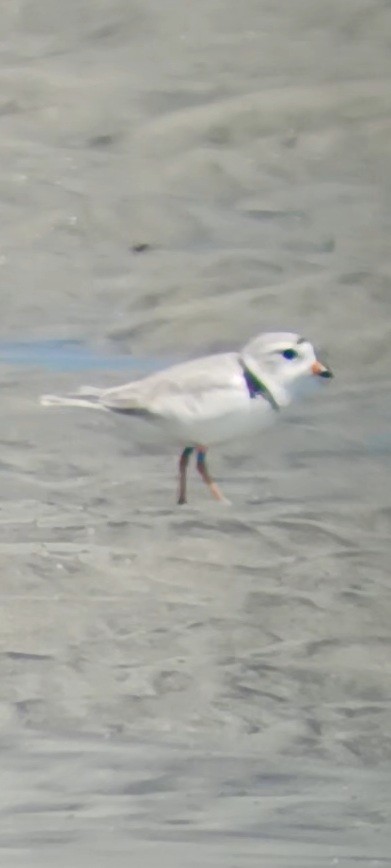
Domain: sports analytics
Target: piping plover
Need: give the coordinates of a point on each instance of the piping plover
(213, 399)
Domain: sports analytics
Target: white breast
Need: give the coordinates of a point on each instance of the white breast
(219, 418)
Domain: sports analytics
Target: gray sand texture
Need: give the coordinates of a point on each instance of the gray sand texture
(195, 686)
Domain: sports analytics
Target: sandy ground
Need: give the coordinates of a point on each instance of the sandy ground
(197, 686)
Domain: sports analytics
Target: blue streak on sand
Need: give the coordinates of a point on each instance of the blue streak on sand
(66, 355)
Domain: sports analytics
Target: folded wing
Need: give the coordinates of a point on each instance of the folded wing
(185, 389)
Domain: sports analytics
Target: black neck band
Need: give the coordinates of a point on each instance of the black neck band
(256, 387)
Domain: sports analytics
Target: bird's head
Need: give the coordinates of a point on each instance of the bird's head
(286, 363)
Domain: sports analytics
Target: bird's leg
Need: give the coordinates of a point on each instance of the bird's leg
(183, 462)
(205, 475)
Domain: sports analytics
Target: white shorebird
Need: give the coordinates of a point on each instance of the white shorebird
(213, 399)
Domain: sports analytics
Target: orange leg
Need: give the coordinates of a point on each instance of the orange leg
(183, 464)
(205, 475)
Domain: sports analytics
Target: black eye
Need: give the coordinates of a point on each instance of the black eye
(289, 354)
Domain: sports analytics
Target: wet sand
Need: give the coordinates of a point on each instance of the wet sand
(204, 685)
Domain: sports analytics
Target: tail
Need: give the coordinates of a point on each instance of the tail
(87, 396)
